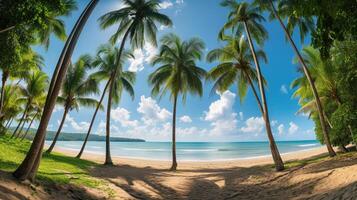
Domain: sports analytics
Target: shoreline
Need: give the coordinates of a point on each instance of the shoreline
(156, 163)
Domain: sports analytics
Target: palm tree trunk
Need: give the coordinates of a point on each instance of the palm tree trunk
(28, 168)
(312, 85)
(22, 127)
(21, 120)
(8, 122)
(7, 29)
(8, 126)
(255, 93)
(279, 165)
(4, 78)
(174, 161)
(92, 122)
(108, 158)
(49, 150)
(28, 128)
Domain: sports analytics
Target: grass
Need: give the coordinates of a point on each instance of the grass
(55, 168)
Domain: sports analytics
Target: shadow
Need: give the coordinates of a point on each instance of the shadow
(257, 182)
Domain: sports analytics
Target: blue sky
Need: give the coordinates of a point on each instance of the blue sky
(218, 117)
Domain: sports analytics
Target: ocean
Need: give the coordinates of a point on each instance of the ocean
(190, 151)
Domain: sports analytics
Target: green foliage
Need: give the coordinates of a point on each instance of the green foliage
(344, 121)
(139, 17)
(107, 61)
(54, 169)
(235, 66)
(178, 72)
(241, 14)
(77, 85)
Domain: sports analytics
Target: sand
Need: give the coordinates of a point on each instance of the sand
(330, 178)
(235, 179)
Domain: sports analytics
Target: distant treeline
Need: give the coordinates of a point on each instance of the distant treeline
(80, 137)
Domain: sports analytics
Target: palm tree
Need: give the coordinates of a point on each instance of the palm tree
(107, 61)
(36, 85)
(177, 74)
(235, 67)
(12, 103)
(244, 17)
(136, 20)
(28, 167)
(269, 5)
(35, 115)
(75, 89)
(30, 61)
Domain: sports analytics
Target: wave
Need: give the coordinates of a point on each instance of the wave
(138, 149)
(198, 150)
(307, 145)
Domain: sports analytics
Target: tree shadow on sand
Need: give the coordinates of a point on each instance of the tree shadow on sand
(257, 182)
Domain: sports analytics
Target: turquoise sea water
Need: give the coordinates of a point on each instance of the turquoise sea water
(186, 151)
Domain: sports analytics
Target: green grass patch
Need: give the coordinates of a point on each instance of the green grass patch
(54, 168)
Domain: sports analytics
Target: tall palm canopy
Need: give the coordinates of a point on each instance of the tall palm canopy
(36, 85)
(139, 18)
(244, 12)
(235, 66)
(177, 74)
(106, 61)
(246, 17)
(75, 89)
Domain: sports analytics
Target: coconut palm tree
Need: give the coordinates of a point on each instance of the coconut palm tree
(107, 62)
(30, 61)
(245, 17)
(12, 103)
(137, 20)
(75, 90)
(235, 67)
(35, 115)
(36, 85)
(177, 74)
(269, 5)
(29, 166)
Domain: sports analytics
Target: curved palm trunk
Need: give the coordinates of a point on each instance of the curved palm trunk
(255, 93)
(21, 120)
(174, 161)
(279, 165)
(8, 122)
(28, 128)
(108, 158)
(311, 82)
(49, 150)
(92, 122)
(29, 166)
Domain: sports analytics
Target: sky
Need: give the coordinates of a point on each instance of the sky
(212, 117)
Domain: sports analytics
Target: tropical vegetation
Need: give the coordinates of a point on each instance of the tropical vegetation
(325, 87)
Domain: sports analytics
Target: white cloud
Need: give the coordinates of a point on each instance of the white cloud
(281, 129)
(142, 56)
(186, 119)
(122, 116)
(179, 1)
(81, 126)
(293, 128)
(165, 4)
(241, 116)
(151, 112)
(274, 122)
(57, 108)
(220, 114)
(253, 125)
(284, 89)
